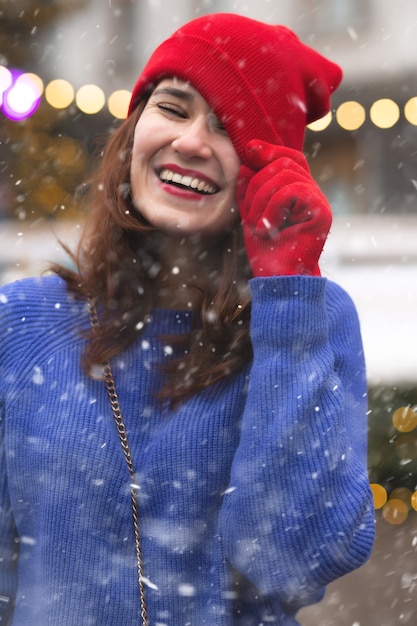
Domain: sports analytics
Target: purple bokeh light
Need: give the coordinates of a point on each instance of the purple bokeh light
(20, 94)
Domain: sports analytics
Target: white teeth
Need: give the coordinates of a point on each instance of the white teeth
(166, 175)
(187, 181)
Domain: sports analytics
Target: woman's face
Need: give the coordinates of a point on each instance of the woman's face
(184, 167)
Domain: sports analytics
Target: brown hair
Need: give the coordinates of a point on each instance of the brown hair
(114, 261)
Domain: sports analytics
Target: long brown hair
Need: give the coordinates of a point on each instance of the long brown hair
(115, 260)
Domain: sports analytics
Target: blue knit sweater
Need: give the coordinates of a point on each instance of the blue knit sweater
(253, 494)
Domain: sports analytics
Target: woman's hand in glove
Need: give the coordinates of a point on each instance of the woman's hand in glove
(285, 216)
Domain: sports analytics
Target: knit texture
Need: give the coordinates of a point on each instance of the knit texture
(260, 79)
(264, 472)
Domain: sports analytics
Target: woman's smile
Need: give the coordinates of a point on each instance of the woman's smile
(176, 177)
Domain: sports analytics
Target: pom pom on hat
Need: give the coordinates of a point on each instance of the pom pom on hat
(261, 81)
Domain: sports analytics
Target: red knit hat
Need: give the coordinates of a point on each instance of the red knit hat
(260, 80)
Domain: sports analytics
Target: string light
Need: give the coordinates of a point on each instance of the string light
(322, 123)
(90, 99)
(380, 495)
(118, 103)
(410, 111)
(59, 94)
(20, 94)
(384, 113)
(350, 115)
(395, 511)
(397, 504)
(404, 419)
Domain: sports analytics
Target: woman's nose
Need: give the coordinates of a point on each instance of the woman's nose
(193, 140)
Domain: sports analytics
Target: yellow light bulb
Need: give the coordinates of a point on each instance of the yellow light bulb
(404, 419)
(380, 495)
(384, 113)
(59, 93)
(350, 115)
(90, 99)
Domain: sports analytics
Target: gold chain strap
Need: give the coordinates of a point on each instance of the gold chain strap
(121, 429)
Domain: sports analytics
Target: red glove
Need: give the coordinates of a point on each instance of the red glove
(285, 216)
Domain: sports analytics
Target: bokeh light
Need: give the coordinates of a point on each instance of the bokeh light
(384, 113)
(21, 93)
(406, 447)
(118, 103)
(404, 419)
(22, 96)
(350, 115)
(59, 93)
(395, 511)
(90, 99)
(380, 495)
(402, 493)
(321, 124)
(410, 111)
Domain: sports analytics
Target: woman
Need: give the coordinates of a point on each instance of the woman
(225, 481)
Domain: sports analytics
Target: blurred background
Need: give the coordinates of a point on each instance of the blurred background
(66, 71)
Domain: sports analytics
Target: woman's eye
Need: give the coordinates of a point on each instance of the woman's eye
(217, 125)
(172, 109)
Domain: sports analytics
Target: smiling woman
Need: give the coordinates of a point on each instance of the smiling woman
(183, 411)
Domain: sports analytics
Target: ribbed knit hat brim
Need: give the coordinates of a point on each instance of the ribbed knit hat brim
(260, 80)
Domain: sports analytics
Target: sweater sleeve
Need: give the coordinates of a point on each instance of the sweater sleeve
(8, 539)
(8, 543)
(298, 512)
